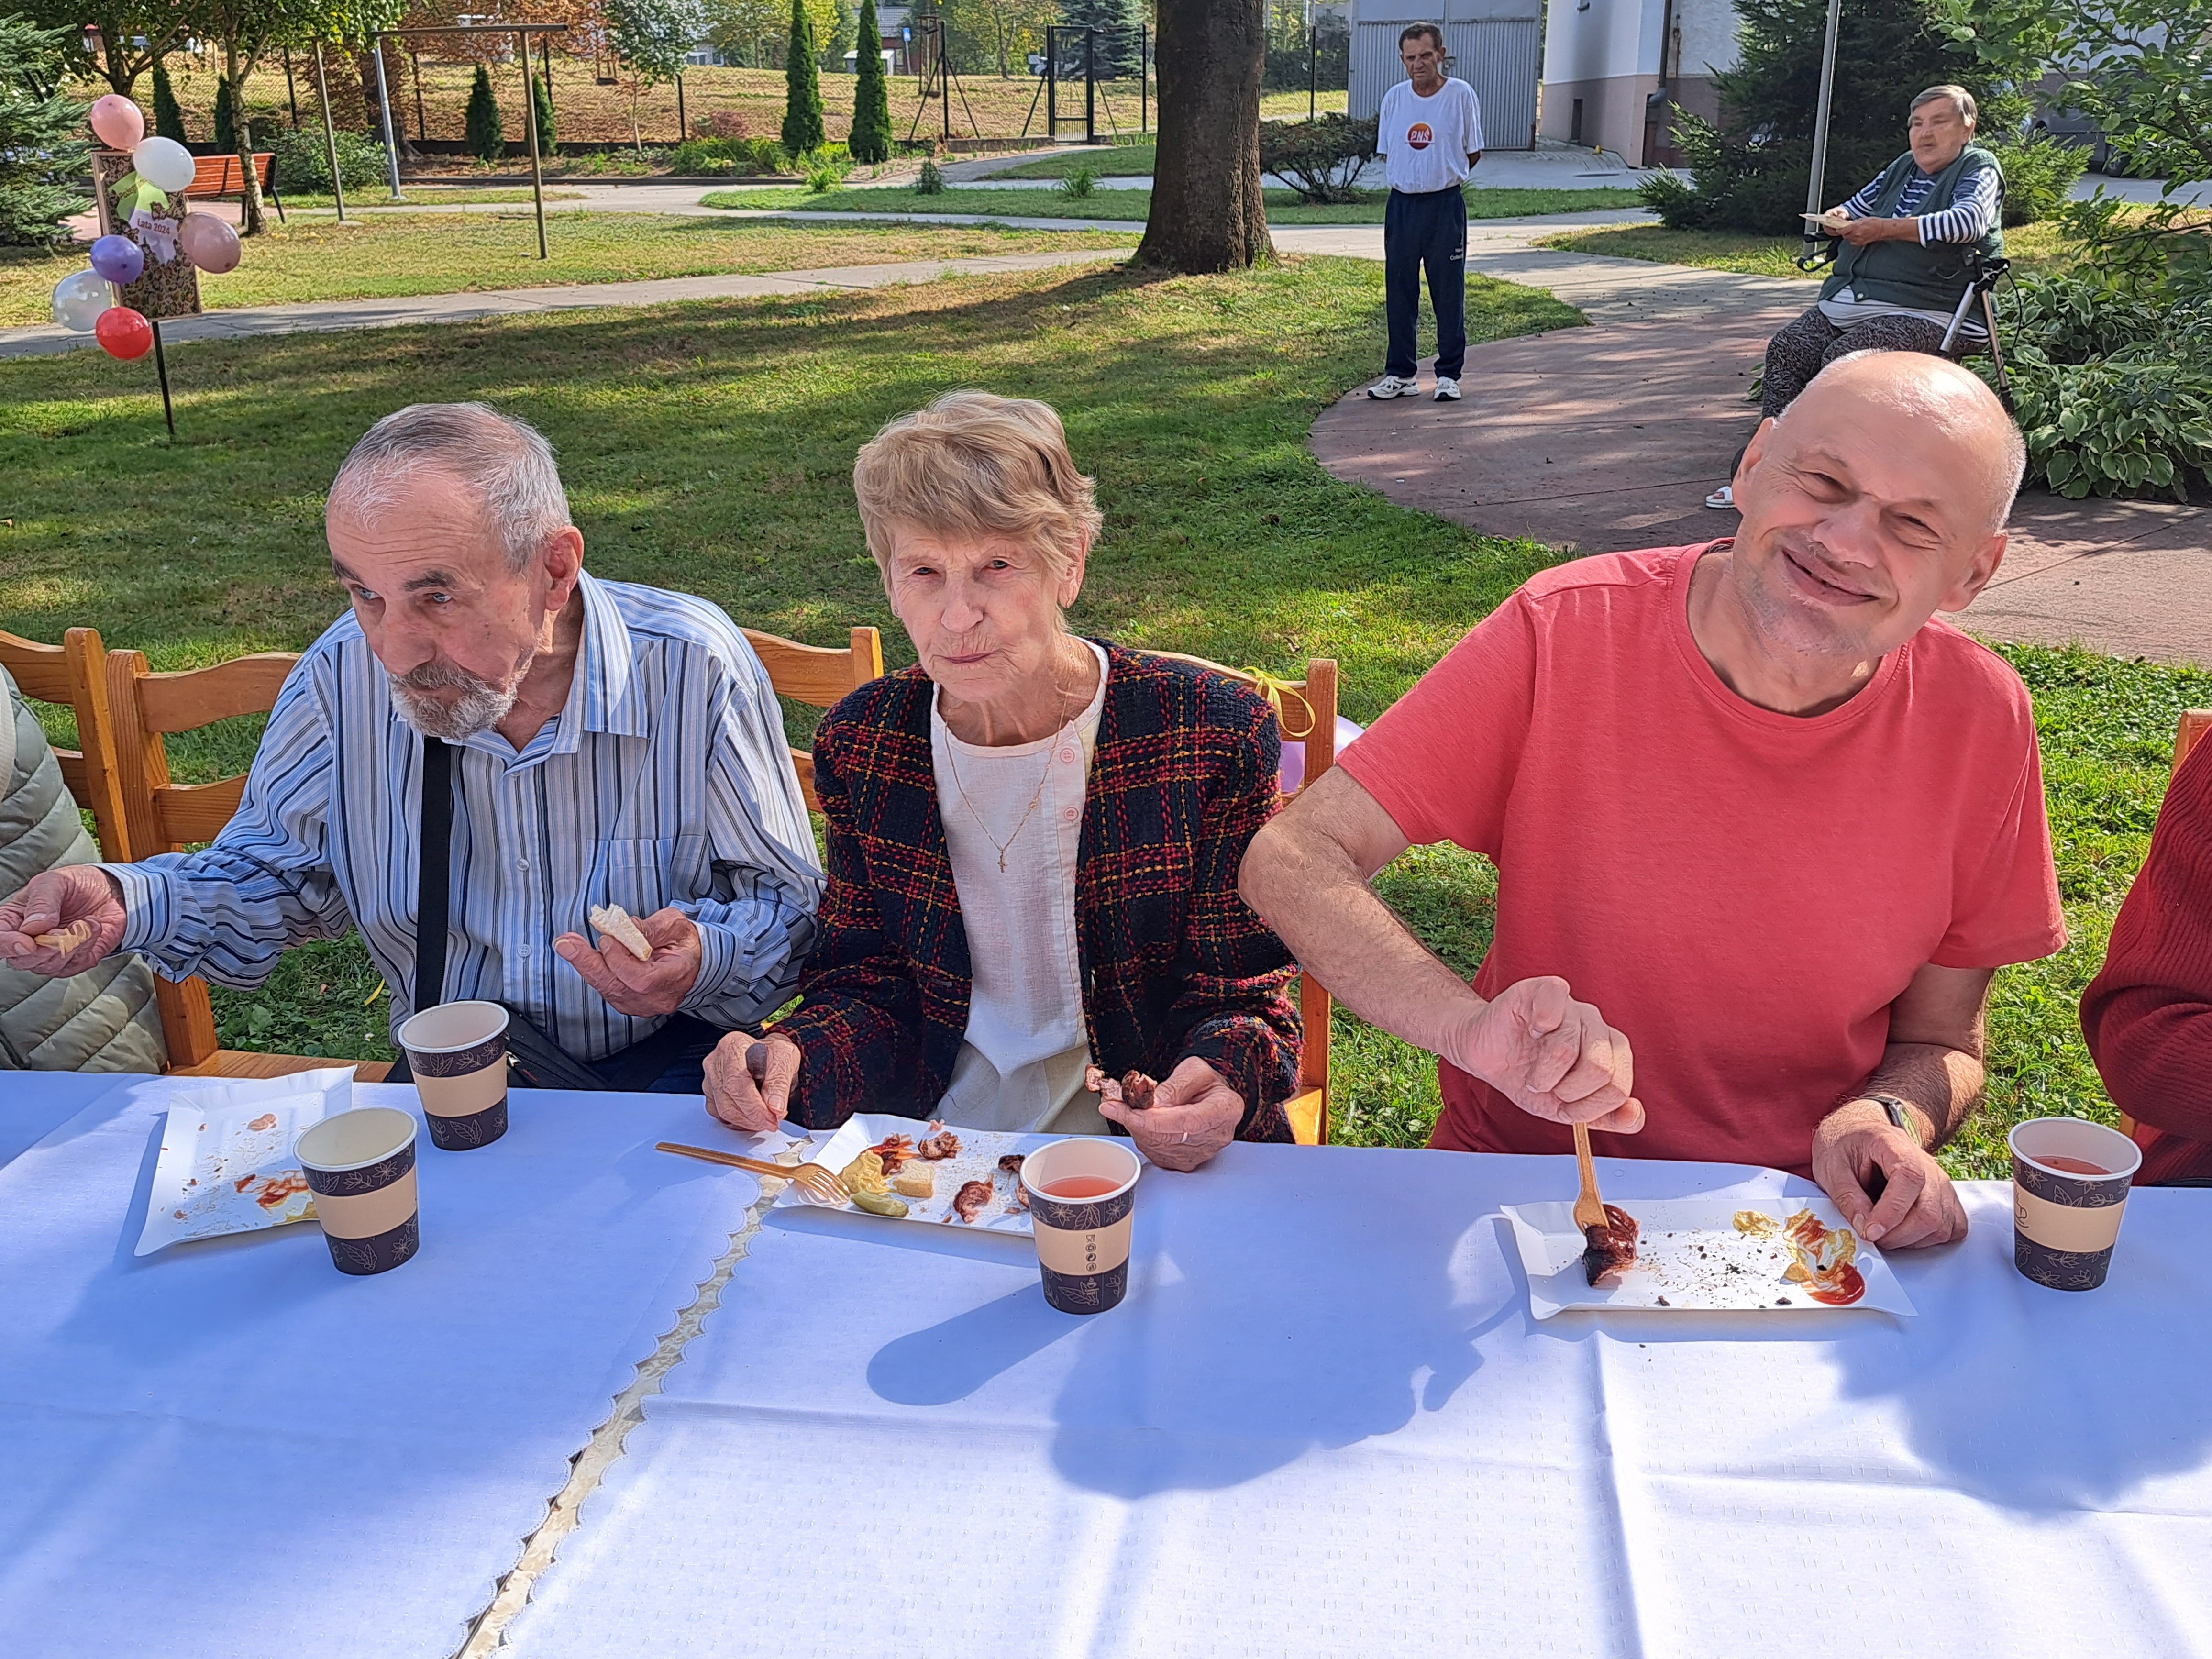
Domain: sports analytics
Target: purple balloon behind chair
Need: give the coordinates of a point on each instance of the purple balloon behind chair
(1292, 772)
(118, 259)
(209, 243)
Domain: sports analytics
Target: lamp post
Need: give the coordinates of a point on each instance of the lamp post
(1814, 185)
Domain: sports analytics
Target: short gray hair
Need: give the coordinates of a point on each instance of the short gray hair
(1961, 101)
(504, 464)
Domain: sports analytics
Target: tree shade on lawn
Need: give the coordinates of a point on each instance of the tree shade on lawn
(872, 106)
(1207, 212)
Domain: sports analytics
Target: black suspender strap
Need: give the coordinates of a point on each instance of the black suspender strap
(434, 879)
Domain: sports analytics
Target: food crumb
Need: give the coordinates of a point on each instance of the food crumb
(266, 1121)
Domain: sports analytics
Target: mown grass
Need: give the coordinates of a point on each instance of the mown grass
(393, 252)
(1107, 161)
(2030, 247)
(1284, 206)
(709, 447)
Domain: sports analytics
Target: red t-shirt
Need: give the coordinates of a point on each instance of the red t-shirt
(1743, 893)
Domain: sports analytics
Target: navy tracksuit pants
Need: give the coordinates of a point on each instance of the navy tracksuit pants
(1428, 231)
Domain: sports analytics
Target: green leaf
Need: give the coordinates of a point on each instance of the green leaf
(2059, 468)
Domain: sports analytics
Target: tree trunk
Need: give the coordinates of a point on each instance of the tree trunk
(250, 219)
(1207, 214)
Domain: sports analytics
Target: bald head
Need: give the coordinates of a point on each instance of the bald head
(1926, 401)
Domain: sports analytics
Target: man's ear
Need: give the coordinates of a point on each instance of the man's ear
(1977, 575)
(562, 559)
(1753, 452)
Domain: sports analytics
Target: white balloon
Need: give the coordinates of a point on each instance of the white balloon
(79, 301)
(163, 163)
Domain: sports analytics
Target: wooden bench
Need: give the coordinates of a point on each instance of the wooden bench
(221, 175)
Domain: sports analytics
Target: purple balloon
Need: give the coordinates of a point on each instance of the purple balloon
(118, 259)
(1291, 770)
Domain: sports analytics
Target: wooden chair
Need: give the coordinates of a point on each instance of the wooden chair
(1306, 710)
(2193, 724)
(70, 674)
(819, 676)
(159, 815)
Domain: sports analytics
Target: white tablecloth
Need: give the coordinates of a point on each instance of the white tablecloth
(34, 1104)
(230, 1450)
(1324, 1424)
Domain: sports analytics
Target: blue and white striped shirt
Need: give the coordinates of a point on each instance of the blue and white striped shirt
(664, 780)
(1968, 219)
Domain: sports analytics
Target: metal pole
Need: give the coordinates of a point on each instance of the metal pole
(330, 137)
(291, 91)
(945, 83)
(530, 121)
(545, 61)
(421, 132)
(1052, 82)
(1813, 186)
(1313, 72)
(1144, 77)
(683, 126)
(1089, 89)
(384, 102)
(162, 372)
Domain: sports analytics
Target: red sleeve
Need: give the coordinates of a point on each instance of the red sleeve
(2148, 1015)
(1441, 760)
(2008, 910)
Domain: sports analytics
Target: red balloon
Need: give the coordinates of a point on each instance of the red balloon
(122, 333)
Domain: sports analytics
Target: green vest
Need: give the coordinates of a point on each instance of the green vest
(1929, 278)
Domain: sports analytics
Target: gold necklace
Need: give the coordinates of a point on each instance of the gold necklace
(952, 760)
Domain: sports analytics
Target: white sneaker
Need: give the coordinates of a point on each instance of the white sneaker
(1391, 385)
(1724, 499)
(1447, 389)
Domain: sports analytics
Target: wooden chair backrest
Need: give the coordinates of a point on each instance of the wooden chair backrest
(159, 815)
(820, 676)
(2188, 730)
(71, 673)
(1306, 711)
(218, 175)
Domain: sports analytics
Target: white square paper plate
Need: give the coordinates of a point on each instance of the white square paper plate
(226, 1163)
(977, 1160)
(1689, 1258)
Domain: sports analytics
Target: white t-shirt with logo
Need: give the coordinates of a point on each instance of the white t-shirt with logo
(1426, 140)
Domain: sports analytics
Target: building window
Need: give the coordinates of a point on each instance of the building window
(1574, 124)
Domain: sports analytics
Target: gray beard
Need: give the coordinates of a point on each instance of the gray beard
(481, 706)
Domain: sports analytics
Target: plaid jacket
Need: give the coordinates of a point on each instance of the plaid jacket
(1173, 962)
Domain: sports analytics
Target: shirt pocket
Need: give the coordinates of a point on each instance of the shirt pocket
(644, 875)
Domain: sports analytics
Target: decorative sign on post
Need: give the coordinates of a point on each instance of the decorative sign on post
(169, 283)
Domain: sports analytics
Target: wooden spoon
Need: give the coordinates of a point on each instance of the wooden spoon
(1589, 1208)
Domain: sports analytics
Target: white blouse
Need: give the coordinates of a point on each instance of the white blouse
(1021, 1065)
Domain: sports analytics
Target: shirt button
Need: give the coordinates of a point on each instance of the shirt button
(1068, 757)
(1069, 814)
(522, 864)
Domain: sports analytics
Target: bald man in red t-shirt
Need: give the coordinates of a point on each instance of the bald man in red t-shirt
(1758, 818)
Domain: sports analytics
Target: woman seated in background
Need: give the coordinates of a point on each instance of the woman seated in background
(1034, 838)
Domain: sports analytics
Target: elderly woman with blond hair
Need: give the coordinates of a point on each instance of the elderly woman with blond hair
(1033, 837)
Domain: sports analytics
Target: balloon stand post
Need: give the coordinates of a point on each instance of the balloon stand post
(162, 372)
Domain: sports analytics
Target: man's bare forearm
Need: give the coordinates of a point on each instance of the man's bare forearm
(1307, 889)
(1941, 1084)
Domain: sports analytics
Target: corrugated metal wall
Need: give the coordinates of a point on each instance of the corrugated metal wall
(1497, 55)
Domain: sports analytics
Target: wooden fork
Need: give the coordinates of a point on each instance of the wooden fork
(1589, 1208)
(820, 1183)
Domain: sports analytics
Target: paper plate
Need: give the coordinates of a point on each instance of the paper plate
(226, 1163)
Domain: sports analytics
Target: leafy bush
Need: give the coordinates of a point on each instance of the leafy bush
(932, 182)
(1080, 183)
(822, 179)
(2112, 387)
(1320, 159)
(729, 154)
(2039, 170)
(303, 165)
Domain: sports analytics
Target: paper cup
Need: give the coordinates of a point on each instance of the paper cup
(1083, 1243)
(361, 1167)
(2066, 1220)
(458, 1052)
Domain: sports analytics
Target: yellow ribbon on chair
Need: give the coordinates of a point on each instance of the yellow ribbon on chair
(1275, 690)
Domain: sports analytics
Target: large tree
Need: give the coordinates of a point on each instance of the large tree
(112, 40)
(1207, 214)
(41, 142)
(652, 38)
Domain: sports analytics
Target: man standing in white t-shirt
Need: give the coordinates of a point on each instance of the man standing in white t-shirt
(1430, 135)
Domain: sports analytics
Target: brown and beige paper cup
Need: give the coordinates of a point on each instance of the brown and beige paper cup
(458, 1052)
(1083, 1243)
(361, 1167)
(2066, 1216)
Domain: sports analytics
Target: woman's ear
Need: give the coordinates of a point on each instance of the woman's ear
(1071, 585)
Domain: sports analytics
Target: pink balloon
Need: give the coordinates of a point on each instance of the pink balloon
(209, 243)
(1290, 771)
(116, 121)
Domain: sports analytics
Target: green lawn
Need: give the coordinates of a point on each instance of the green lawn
(378, 196)
(709, 447)
(2032, 248)
(1284, 207)
(390, 253)
(1106, 161)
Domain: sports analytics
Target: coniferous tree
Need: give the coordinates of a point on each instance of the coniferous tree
(168, 114)
(487, 138)
(872, 105)
(226, 118)
(803, 129)
(1115, 48)
(542, 95)
(1751, 171)
(41, 146)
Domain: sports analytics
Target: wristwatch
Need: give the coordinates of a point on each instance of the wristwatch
(1897, 1112)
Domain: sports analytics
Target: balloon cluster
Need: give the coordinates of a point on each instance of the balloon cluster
(84, 302)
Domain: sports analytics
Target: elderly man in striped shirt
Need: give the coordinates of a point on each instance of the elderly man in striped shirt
(601, 743)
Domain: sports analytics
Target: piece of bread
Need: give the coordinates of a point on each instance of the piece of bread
(66, 939)
(917, 1182)
(617, 924)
